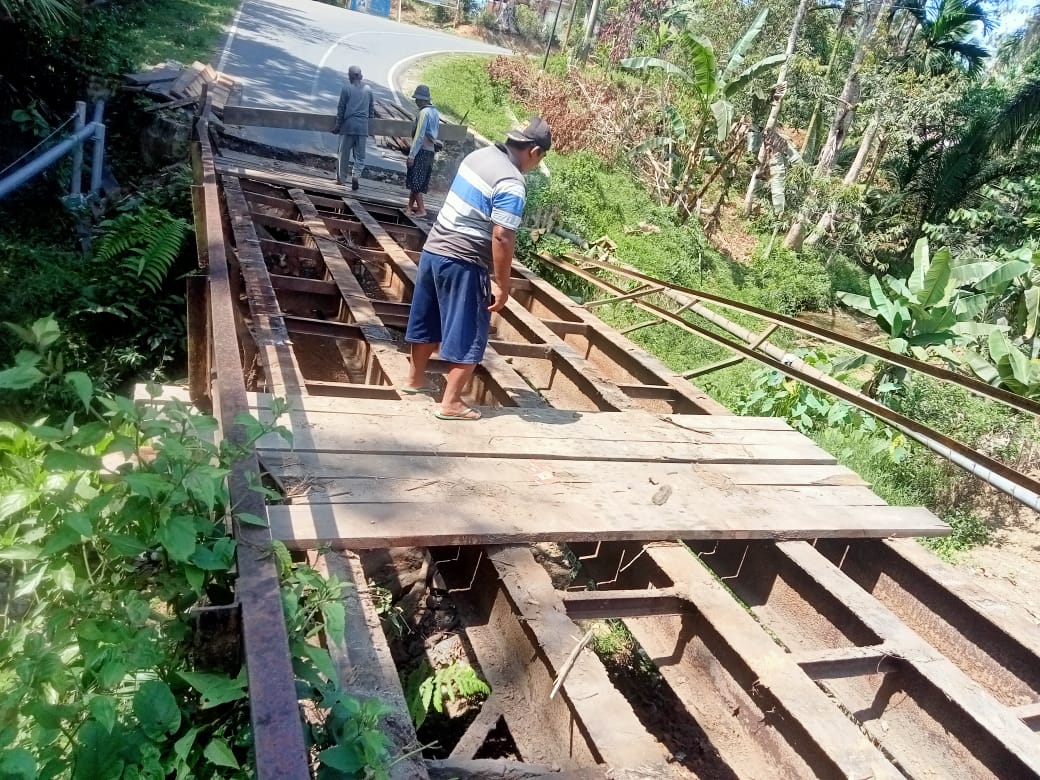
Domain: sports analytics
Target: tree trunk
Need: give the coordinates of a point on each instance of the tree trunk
(849, 98)
(851, 176)
(590, 27)
(778, 97)
(811, 145)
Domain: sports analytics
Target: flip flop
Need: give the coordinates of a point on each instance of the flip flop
(419, 390)
(469, 415)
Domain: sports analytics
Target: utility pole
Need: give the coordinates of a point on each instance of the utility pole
(548, 46)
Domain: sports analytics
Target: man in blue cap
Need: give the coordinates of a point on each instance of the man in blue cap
(356, 105)
(464, 268)
(420, 156)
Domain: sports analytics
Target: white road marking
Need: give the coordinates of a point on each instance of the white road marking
(348, 36)
(231, 37)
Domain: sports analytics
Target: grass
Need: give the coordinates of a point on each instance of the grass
(462, 90)
(183, 30)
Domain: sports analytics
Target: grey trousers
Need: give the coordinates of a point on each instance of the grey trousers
(351, 146)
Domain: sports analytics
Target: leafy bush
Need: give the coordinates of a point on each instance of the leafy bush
(789, 282)
(529, 24)
(425, 688)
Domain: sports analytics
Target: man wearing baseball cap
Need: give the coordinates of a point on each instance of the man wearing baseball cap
(356, 105)
(464, 268)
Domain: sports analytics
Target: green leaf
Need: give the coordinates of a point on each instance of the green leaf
(82, 385)
(760, 68)
(1019, 366)
(335, 621)
(46, 331)
(999, 346)
(702, 57)
(344, 758)
(64, 577)
(647, 63)
(321, 659)
(70, 460)
(182, 747)
(218, 752)
(62, 539)
(248, 519)
(936, 283)
(20, 378)
(877, 294)
(17, 764)
(740, 49)
(177, 536)
(19, 552)
(216, 689)
(1031, 306)
(156, 709)
(96, 754)
(125, 544)
(15, 500)
(858, 302)
(103, 710)
(996, 282)
(967, 275)
(921, 264)
(723, 111)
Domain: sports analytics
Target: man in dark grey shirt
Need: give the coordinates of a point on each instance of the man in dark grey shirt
(356, 105)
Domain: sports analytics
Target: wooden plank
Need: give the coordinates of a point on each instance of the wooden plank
(830, 663)
(476, 735)
(517, 392)
(248, 116)
(385, 352)
(611, 604)
(706, 426)
(300, 284)
(1030, 715)
(308, 326)
(593, 436)
(281, 369)
(776, 676)
(963, 692)
(339, 478)
(605, 714)
(352, 390)
(366, 668)
(470, 521)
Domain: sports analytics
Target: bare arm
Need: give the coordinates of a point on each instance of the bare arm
(503, 243)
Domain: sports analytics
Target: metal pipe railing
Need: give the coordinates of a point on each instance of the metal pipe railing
(74, 144)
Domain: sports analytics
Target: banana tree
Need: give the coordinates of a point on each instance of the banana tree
(928, 311)
(1013, 286)
(1006, 366)
(714, 88)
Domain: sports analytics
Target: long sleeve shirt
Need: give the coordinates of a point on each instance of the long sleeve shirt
(356, 105)
(427, 126)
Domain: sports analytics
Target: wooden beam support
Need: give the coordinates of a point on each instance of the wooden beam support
(1008, 731)
(249, 116)
(281, 370)
(385, 352)
(353, 390)
(614, 731)
(848, 662)
(831, 743)
(610, 604)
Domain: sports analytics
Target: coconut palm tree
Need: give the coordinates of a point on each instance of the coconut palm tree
(948, 33)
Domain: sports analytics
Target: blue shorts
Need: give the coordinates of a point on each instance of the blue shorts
(449, 306)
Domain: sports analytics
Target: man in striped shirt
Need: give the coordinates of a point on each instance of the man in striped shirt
(464, 269)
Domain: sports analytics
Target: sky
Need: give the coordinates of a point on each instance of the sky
(1010, 15)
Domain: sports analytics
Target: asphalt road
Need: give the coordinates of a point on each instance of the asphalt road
(294, 54)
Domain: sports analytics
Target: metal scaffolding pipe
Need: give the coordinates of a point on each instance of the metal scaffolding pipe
(76, 185)
(10, 183)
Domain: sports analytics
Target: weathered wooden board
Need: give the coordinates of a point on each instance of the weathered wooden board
(323, 123)
(466, 521)
(333, 478)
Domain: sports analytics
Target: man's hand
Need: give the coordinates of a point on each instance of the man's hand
(411, 162)
(500, 296)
